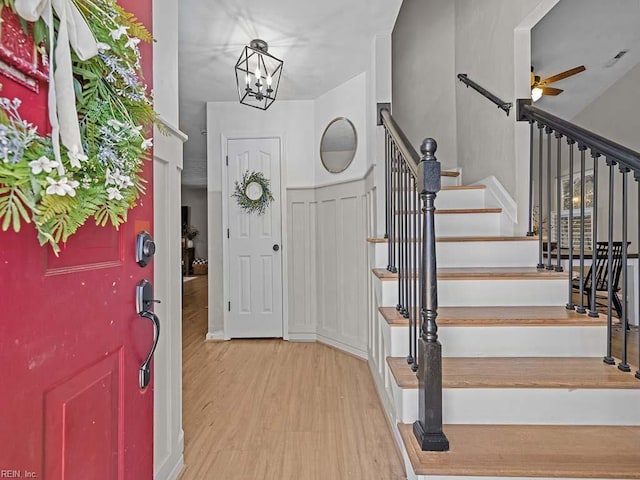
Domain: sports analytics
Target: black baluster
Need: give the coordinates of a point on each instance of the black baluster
(540, 180)
(399, 213)
(559, 204)
(549, 131)
(570, 305)
(414, 299)
(428, 428)
(408, 213)
(392, 209)
(637, 175)
(387, 182)
(593, 309)
(581, 308)
(530, 231)
(608, 359)
(418, 304)
(623, 365)
(412, 353)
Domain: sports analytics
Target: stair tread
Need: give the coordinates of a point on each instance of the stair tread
(475, 186)
(465, 239)
(530, 451)
(520, 372)
(500, 316)
(455, 211)
(483, 273)
(445, 173)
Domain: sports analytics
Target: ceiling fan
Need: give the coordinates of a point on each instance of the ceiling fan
(540, 87)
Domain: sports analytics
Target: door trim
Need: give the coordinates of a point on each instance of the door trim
(224, 138)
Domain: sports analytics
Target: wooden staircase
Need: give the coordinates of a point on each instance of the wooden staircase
(525, 391)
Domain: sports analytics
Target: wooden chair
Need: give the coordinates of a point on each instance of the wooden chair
(599, 272)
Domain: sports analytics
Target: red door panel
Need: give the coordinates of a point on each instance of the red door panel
(71, 342)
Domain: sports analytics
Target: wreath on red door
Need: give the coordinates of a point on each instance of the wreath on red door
(58, 184)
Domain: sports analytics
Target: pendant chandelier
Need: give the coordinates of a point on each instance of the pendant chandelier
(258, 75)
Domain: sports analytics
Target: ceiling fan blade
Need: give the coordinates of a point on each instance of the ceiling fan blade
(551, 91)
(563, 75)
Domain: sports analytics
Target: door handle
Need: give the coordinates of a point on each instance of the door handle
(276, 247)
(144, 374)
(144, 304)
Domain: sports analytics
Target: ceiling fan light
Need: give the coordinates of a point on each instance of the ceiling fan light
(536, 94)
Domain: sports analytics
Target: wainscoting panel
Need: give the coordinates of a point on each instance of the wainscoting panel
(329, 295)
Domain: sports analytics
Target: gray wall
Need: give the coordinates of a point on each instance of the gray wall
(433, 40)
(423, 73)
(484, 49)
(196, 199)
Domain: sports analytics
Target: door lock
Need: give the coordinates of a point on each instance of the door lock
(276, 247)
(145, 248)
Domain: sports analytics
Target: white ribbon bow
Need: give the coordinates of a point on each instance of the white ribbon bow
(62, 99)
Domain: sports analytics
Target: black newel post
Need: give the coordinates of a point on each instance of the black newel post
(428, 429)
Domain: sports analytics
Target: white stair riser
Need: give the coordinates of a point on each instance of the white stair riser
(473, 198)
(450, 181)
(474, 254)
(506, 341)
(527, 406)
(469, 293)
(468, 224)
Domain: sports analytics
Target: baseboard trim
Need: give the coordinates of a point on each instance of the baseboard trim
(342, 346)
(216, 337)
(302, 337)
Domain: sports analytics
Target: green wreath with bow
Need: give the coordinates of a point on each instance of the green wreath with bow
(252, 193)
(89, 167)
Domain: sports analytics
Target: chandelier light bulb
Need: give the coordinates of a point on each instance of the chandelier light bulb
(269, 80)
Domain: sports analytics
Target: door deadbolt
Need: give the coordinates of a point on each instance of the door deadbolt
(145, 248)
(276, 247)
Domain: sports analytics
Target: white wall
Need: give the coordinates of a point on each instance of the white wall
(347, 100)
(326, 212)
(167, 167)
(196, 200)
(424, 75)
(292, 121)
(327, 261)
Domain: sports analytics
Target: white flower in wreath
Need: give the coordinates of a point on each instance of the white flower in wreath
(118, 32)
(114, 194)
(103, 47)
(115, 124)
(43, 164)
(132, 43)
(62, 187)
(76, 156)
(118, 179)
(147, 143)
(136, 130)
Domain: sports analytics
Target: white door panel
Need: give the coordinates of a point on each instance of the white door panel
(255, 268)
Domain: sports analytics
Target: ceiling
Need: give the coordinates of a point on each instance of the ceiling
(323, 44)
(589, 33)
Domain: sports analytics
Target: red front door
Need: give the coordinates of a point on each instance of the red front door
(71, 342)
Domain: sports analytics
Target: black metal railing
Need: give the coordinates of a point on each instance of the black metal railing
(502, 105)
(603, 286)
(412, 183)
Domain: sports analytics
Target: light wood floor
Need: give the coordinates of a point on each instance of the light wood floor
(273, 410)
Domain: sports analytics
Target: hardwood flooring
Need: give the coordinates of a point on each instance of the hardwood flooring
(268, 409)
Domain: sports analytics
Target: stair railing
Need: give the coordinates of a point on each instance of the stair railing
(412, 183)
(577, 191)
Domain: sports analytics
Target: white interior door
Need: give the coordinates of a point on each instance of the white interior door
(255, 256)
